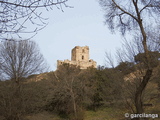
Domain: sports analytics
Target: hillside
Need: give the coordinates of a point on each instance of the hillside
(70, 92)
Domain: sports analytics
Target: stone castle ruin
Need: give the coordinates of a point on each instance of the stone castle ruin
(79, 57)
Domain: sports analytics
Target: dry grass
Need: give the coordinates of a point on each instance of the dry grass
(102, 114)
(43, 116)
(105, 114)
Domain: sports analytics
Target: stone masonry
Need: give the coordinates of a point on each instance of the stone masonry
(79, 57)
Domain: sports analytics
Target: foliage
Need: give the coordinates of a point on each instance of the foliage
(68, 92)
(19, 59)
(75, 89)
(125, 67)
(155, 57)
(90, 91)
(103, 87)
(132, 16)
(31, 99)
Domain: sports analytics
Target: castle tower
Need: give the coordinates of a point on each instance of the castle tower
(79, 57)
(80, 53)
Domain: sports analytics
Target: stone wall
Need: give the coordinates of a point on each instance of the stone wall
(80, 53)
(79, 57)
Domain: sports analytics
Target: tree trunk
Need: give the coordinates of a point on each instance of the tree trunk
(146, 78)
(148, 74)
(74, 104)
(140, 89)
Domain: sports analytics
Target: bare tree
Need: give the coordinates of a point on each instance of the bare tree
(109, 59)
(68, 91)
(16, 15)
(134, 16)
(19, 59)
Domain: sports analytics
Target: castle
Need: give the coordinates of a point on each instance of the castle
(79, 57)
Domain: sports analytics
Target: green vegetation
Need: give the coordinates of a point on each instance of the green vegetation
(75, 94)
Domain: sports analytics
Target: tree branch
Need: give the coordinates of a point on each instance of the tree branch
(145, 6)
(30, 6)
(123, 10)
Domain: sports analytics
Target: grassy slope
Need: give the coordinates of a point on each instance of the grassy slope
(101, 114)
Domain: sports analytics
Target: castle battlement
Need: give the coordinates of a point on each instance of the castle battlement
(79, 57)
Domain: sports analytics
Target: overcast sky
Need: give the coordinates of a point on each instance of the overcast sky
(79, 26)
